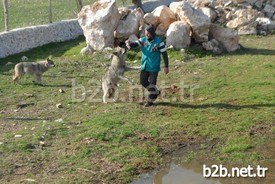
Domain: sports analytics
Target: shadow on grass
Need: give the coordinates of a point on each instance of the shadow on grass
(26, 119)
(217, 105)
(33, 83)
(57, 85)
(70, 77)
(198, 51)
(253, 51)
(21, 106)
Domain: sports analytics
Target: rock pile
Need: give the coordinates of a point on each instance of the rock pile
(215, 24)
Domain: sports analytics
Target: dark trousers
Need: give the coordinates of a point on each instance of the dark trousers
(149, 80)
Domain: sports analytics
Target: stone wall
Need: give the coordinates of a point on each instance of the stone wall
(23, 39)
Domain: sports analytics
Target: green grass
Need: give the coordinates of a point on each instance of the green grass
(222, 105)
(24, 13)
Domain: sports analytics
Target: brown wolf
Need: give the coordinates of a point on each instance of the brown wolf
(115, 74)
(32, 68)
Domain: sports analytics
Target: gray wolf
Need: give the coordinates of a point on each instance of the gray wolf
(115, 73)
(33, 68)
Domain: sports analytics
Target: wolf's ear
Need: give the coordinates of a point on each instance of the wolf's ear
(116, 53)
(119, 51)
(123, 51)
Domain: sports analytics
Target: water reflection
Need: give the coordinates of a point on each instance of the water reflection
(175, 174)
(180, 175)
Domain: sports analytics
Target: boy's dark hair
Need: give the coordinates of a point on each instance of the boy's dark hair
(150, 28)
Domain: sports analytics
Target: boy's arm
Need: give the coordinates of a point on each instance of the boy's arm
(165, 58)
(163, 50)
(135, 44)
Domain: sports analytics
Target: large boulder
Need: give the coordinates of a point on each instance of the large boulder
(99, 22)
(202, 3)
(227, 38)
(222, 15)
(178, 35)
(149, 6)
(214, 46)
(258, 4)
(210, 13)
(198, 21)
(251, 2)
(150, 18)
(130, 23)
(269, 10)
(161, 18)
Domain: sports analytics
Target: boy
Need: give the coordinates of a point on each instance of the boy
(151, 47)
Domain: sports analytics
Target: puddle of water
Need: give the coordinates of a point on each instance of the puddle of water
(175, 174)
(192, 172)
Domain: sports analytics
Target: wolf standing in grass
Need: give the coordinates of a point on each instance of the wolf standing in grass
(151, 47)
(115, 74)
(32, 68)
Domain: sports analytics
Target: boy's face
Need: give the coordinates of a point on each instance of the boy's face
(148, 35)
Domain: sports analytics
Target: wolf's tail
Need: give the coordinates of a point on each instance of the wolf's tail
(15, 78)
(17, 73)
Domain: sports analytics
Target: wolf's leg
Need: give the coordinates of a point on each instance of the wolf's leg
(112, 93)
(127, 79)
(38, 78)
(105, 90)
(106, 93)
(127, 68)
(104, 97)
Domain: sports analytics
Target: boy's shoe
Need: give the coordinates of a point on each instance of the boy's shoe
(148, 104)
(159, 93)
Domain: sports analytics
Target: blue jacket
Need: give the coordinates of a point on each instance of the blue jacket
(150, 54)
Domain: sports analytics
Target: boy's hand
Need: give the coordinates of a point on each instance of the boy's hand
(166, 70)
